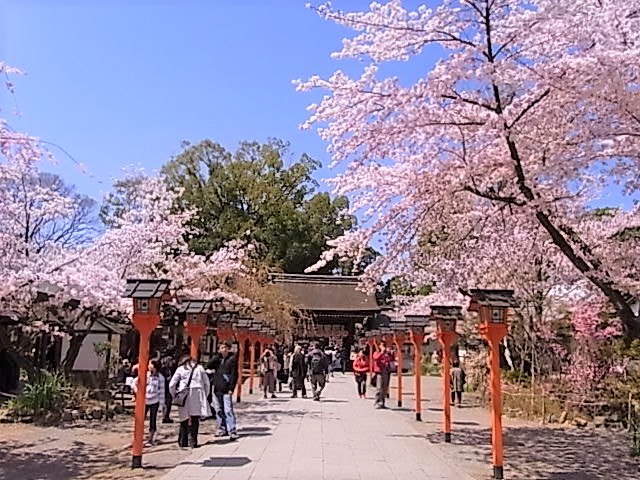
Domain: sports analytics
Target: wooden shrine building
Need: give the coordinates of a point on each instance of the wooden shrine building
(335, 305)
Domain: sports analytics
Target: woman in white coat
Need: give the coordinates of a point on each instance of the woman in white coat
(194, 379)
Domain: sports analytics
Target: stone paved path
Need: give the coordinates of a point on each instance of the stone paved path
(342, 437)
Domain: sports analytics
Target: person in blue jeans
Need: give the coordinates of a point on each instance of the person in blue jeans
(225, 377)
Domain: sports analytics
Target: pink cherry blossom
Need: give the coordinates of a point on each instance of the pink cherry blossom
(490, 162)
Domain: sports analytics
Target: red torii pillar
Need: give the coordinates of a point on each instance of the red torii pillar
(241, 336)
(417, 338)
(446, 340)
(253, 338)
(195, 326)
(147, 296)
(493, 308)
(371, 342)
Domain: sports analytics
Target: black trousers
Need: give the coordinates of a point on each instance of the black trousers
(152, 410)
(454, 395)
(168, 401)
(298, 384)
(188, 436)
(361, 380)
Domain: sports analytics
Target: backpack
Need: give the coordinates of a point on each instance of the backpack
(317, 363)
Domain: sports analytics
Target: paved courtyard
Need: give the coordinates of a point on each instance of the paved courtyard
(342, 437)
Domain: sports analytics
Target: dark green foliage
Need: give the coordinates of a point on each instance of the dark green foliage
(255, 194)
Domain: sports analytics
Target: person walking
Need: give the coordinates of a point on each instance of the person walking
(360, 369)
(189, 387)
(282, 374)
(319, 368)
(458, 380)
(382, 360)
(154, 398)
(330, 357)
(225, 377)
(168, 366)
(298, 372)
(269, 370)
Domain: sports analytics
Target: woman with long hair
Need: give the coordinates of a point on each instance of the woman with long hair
(189, 387)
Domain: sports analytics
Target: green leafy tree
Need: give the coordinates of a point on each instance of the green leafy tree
(255, 194)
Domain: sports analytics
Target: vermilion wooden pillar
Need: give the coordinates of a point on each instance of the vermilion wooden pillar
(252, 360)
(372, 346)
(147, 296)
(145, 324)
(417, 338)
(195, 332)
(241, 336)
(399, 339)
(493, 334)
(446, 340)
(493, 308)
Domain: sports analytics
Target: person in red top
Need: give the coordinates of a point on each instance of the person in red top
(360, 369)
(382, 360)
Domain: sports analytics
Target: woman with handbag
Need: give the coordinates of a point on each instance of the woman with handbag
(189, 388)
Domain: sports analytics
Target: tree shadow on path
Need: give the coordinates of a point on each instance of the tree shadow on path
(544, 453)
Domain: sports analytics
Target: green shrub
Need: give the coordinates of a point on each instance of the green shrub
(429, 368)
(47, 393)
(516, 377)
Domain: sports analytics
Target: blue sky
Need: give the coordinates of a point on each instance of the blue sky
(119, 83)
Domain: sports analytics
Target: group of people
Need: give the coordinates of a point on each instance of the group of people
(295, 368)
(197, 392)
(383, 364)
(205, 392)
(202, 392)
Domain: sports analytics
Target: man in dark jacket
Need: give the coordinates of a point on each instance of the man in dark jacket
(319, 368)
(225, 377)
(298, 372)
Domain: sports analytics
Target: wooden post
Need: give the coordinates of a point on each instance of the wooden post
(195, 332)
(494, 333)
(446, 340)
(417, 338)
(145, 324)
(372, 345)
(252, 362)
(241, 339)
(399, 339)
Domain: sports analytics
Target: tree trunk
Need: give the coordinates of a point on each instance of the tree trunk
(75, 344)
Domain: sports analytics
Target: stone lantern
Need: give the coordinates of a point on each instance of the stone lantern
(196, 314)
(493, 308)
(446, 318)
(148, 297)
(416, 325)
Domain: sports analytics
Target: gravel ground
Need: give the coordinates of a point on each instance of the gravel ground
(85, 450)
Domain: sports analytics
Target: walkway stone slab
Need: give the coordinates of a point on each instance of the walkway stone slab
(341, 437)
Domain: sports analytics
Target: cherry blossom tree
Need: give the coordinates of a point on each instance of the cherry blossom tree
(496, 154)
(589, 363)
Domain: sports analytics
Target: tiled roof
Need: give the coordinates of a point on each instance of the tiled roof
(146, 288)
(325, 293)
(195, 306)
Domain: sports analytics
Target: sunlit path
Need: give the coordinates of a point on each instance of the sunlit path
(342, 437)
